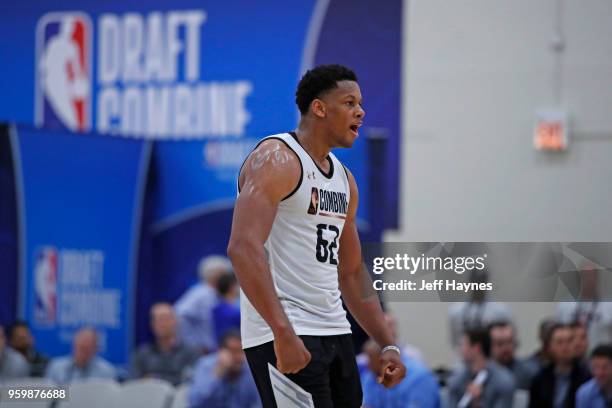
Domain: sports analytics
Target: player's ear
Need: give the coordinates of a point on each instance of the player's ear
(318, 108)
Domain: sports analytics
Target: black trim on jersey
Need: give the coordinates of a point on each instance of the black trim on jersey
(328, 175)
(348, 180)
(294, 152)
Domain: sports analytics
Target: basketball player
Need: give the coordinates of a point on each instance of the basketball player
(294, 261)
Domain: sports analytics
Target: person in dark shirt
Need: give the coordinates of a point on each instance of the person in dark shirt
(555, 385)
(166, 358)
(12, 364)
(580, 344)
(540, 358)
(503, 351)
(21, 340)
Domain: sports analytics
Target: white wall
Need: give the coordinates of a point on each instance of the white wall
(475, 72)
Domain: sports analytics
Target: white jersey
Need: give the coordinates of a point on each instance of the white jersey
(302, 251)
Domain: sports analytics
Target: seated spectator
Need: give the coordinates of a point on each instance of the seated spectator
(597, 393)
(589, 310)
(223, 379)
(482, 382)
(226, 314)
(556, 384)
(418, 389)
(408, 350)
(12, 364)
(503, 349)
(84, 364)
(22, 341)
(580, 343)
(540, 358)
(194, 308)
(478, 313)
(166, 358)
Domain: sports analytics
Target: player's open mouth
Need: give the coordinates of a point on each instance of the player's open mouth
(355, 129)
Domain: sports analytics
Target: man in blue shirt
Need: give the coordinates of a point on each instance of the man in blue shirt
(223, 379)
(597, 393)
(84, 364)
(419, 388)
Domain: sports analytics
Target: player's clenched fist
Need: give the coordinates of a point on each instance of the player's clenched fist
(291, 354)
(393, 370)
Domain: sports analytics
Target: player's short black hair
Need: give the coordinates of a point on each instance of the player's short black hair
(480, 336)
(319, 80)
(603, 350)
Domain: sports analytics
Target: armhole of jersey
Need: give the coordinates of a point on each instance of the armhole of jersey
(348, 180)
(293, 151)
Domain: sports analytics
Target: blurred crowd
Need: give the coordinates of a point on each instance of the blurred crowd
(197, 341)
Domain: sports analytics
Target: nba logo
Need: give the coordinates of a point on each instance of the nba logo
(45, 286)
(63, 71)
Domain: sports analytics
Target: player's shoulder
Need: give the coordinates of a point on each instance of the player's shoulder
(272, 165)
(273, 152)
(276, 137)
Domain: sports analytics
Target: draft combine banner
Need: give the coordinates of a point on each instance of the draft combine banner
(204, 80)
(192, 70)
(178, 70)
(79, 199)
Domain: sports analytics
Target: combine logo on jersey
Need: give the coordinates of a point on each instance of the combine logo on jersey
(328, 203)
(45, 286)
(63, 71)
(314, 201)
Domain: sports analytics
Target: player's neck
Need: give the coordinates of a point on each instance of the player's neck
(312, 141)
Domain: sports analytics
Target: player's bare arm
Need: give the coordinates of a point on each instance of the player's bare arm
(270, 173)
(365, 309)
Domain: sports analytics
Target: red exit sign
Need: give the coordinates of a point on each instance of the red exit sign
(550, 132)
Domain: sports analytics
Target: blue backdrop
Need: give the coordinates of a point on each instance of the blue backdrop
(79, 223)
(204, 80)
